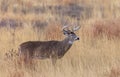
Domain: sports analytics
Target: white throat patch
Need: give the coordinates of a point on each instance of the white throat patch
(70, 42)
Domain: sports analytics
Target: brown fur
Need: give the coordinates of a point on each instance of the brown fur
(44, 49)
(47, 49)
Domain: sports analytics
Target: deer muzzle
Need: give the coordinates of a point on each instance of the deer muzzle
(77, 38)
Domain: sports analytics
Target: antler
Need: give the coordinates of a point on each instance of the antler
(75, 28)
(65, 25)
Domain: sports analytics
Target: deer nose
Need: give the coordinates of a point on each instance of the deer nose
(77, 38)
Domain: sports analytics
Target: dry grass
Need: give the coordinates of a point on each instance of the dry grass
(109, 28)
(89, 57)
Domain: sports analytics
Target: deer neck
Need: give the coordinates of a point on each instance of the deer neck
(65, 46)
(67, 41)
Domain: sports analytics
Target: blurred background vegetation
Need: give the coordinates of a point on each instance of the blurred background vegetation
(95, 55)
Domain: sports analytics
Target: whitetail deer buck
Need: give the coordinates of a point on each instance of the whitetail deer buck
(49, 49)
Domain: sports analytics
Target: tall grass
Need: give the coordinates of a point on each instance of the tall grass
(95, 55)
(88, 57)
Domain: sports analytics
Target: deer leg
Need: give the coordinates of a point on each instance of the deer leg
(54, 60)
(25, 59)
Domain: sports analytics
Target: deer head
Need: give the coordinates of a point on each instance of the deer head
(71, 36)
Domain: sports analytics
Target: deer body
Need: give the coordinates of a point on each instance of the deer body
(47, 49)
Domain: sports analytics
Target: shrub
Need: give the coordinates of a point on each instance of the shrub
(109, 28)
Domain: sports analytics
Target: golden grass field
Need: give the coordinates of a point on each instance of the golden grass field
(96, 54)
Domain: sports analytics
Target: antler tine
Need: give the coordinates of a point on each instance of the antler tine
(75, 28)
(65, 25)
